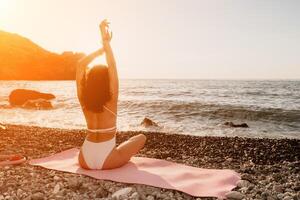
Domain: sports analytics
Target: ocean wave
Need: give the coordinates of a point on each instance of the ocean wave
(269, 94)
(185, 109)
(214, 111)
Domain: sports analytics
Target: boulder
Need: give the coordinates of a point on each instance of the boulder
(39, 104)
(231, 124)
(20, 96)
(148, 122)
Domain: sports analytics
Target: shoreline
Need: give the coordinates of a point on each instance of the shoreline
(269, 167)
(165, 132)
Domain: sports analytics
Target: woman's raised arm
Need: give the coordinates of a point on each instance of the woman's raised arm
(112, 68)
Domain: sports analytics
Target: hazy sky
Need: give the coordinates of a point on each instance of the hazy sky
(207, 39)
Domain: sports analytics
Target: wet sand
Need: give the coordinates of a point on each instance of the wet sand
(270, 168)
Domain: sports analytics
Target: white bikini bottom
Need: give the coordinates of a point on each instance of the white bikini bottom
(95, 154)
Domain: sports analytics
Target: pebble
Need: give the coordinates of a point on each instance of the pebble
(257, 196)
(247, 177)
(243, 183)
(289, 190)
(134, 195)
(278, 188)
(58, 197)
(243, 190)
(296, 188)
(150, 197)
(251, 187)
(265, 195)
(287, 194)
(37, 196)
(234, 195)
(56, 188)
(122, 192)
(86, 185)
(27, 198)
(19, 192)
(73, 183)
(56, 178)
(101, 192)
(287, 198)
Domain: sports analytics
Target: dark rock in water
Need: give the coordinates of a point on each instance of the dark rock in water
(231, 124)
(148, 122)
(19, 97)
(39, 104)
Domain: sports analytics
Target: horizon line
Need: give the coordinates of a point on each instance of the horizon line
(204, 79)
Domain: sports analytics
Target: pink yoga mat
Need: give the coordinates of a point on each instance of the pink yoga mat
(148, 171)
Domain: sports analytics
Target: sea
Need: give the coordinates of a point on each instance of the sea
(271, 108)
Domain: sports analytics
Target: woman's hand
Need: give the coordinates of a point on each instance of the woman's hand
(105, 33)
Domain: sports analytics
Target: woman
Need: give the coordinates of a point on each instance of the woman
(98, 90)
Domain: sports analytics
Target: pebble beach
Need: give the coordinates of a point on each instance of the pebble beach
(269, 168)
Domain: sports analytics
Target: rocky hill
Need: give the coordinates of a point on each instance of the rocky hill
(22, 59)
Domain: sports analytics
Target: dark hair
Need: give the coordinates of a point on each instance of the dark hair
(95, 92)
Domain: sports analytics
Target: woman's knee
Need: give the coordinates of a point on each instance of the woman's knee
(140, 138)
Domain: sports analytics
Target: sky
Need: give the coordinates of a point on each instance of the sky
(181, 39)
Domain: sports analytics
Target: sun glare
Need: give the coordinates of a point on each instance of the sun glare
(5, 8)
(3, 3)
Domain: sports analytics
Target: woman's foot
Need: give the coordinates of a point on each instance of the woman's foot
(11, 159)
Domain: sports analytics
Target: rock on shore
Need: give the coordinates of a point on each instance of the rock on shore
(19, 97)
(148, 123)
(233, 125)
(39, 104)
